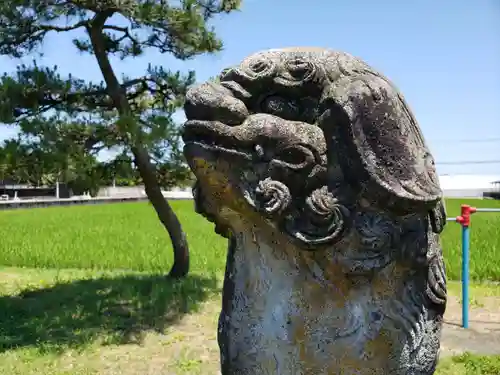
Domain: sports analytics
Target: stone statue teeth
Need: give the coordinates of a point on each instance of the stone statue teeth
(313, 166)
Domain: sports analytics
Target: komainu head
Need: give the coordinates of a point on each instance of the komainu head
(303, 137)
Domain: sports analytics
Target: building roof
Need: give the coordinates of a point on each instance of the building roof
(468, 181)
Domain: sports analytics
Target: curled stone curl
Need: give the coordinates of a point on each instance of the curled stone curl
(324, 221)
(376, 232)
(299, 70)
(258, 68)
(323, 204)
(273, 196)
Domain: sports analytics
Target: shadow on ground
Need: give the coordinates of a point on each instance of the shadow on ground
(116, 310)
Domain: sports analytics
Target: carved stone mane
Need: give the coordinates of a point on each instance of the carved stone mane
(313, 166)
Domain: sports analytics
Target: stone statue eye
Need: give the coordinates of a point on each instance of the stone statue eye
(282, 107)
(295, 156)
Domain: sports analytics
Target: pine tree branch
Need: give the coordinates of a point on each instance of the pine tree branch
(35, 95)
(60, 29)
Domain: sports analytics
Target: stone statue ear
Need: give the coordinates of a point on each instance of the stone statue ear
(373, 136)
(437, 217)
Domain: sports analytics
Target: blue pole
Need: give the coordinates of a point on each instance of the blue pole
(465, 275)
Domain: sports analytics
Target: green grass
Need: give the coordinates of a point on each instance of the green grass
(129, 236)
(59, 310)
(484, 241)
(470, 364)
(80, 322)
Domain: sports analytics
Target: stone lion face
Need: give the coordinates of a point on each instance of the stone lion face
(302, 136)
(253, 142)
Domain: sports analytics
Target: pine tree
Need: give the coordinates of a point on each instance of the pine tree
(128, 106)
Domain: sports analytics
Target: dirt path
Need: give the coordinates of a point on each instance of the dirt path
(483, 334)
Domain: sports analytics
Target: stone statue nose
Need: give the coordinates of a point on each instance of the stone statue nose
(266, 126)
(213, 102)
(265, 121)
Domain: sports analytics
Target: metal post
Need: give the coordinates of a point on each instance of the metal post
(487, 209)
(464, 220)
(465, 275)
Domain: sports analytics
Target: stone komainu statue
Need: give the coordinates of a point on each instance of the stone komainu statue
(314, 168)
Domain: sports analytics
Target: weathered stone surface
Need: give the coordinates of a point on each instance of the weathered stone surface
(314, 168)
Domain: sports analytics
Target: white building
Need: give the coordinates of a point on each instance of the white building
(468, 186)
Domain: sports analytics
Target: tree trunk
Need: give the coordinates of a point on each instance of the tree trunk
(165, 213)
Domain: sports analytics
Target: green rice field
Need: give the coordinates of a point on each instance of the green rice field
(129, 236)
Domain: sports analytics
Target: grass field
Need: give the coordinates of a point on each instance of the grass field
(83, 292)
(129, 236)
(469, 364)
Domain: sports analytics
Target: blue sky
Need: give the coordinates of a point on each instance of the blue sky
(443, 55)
